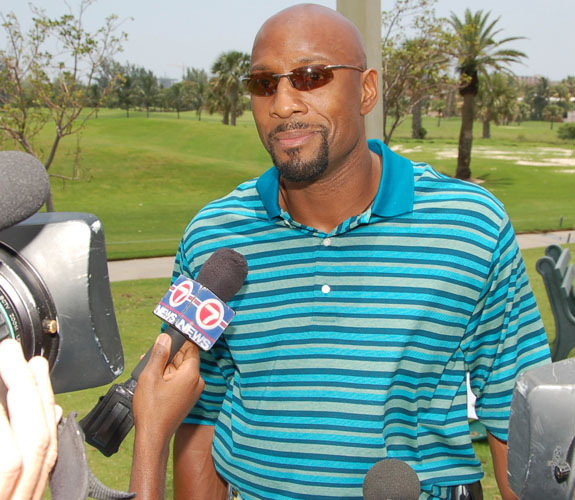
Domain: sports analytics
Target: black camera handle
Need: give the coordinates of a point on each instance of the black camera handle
(110, 421)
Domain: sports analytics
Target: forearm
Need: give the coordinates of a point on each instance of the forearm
(499, 455)
(165, 394)
(149, 463)
(195, 476)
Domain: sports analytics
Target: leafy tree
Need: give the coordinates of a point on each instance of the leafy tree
(228, 70)
(413, 68)
(540, 98)
(496, 101)
(109, 75)
(127, 88)
(217, 101)
(180, 96)
(476, 51)
(147, 89)
(41, 87)
(438, 106)
(569, 83)
(566, 131)
(199, 89)
(553, 113)
(523, 112)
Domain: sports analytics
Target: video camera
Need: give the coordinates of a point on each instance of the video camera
(55, 296)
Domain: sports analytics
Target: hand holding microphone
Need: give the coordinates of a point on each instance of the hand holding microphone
(106, 426)
(166, 392)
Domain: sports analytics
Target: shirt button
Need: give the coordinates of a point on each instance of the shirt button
(326, 242)
(326, 289)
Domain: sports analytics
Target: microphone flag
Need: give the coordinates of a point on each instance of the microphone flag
(195, 312)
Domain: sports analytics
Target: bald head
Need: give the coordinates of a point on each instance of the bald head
(312, 29)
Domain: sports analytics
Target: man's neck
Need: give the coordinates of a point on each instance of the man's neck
(327, 202)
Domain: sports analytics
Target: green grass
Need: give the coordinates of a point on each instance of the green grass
(145, 178)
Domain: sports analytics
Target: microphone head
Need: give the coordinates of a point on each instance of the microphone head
(391, 479)
(24, 187)
(224, 273)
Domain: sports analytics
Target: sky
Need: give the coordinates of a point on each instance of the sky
(169, 35)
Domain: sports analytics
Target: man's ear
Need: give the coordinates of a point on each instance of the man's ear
(368, 90)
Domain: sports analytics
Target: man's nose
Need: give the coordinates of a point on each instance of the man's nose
(287, 99)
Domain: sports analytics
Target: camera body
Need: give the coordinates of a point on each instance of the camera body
(55, 298)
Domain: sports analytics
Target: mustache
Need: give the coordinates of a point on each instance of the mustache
(285, 127)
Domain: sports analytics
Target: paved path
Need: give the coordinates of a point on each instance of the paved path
(161, 267)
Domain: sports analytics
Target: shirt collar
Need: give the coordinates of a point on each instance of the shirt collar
(394, 196)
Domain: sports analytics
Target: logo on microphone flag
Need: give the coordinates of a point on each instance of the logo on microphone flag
(195, 312)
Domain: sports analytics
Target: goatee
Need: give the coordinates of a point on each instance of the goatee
(295, 168)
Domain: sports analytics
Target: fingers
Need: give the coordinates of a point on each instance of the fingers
(189, 350)
(159, 356)
(52, 414)
(32, 432)
(10, 458)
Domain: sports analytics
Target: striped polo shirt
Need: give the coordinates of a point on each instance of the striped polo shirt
(353, 346)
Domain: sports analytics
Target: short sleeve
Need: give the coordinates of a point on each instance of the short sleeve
(505, 334)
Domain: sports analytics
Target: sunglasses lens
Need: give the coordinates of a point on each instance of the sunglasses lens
(261, 84)
(311, 77)
(306, 78)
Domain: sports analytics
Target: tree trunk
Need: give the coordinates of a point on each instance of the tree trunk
(486, 129)
(450, 103)
(465, 139)
(234, 110)
(416, 121)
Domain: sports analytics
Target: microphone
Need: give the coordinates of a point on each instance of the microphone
(391, 479)
(108, 423)
(223, 274)
(24, 187)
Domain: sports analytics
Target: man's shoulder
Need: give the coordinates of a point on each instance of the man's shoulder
(243, 195)
(237, 207)
(432, 185)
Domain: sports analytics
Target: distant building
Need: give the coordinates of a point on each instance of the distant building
(165, 82)
(533, 79)
(529, 80)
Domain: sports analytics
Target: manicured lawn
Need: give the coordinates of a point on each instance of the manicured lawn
(145, 178)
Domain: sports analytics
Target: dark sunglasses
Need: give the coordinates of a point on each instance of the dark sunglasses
(265, 83)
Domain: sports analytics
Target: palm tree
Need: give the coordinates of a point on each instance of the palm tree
(148, 90)
(228, 70)
(496, 101)
(198, 79)
(476, 51)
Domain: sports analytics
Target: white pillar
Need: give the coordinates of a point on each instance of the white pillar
(366, 15)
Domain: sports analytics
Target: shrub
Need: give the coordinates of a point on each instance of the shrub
(566, 131)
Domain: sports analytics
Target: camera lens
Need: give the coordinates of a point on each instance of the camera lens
(27, 313)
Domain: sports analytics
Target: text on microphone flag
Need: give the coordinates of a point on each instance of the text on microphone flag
(195, 312)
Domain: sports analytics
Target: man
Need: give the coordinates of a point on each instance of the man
(28, 418)
(375, 284)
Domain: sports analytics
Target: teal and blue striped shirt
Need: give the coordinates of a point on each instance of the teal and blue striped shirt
(353, 346)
